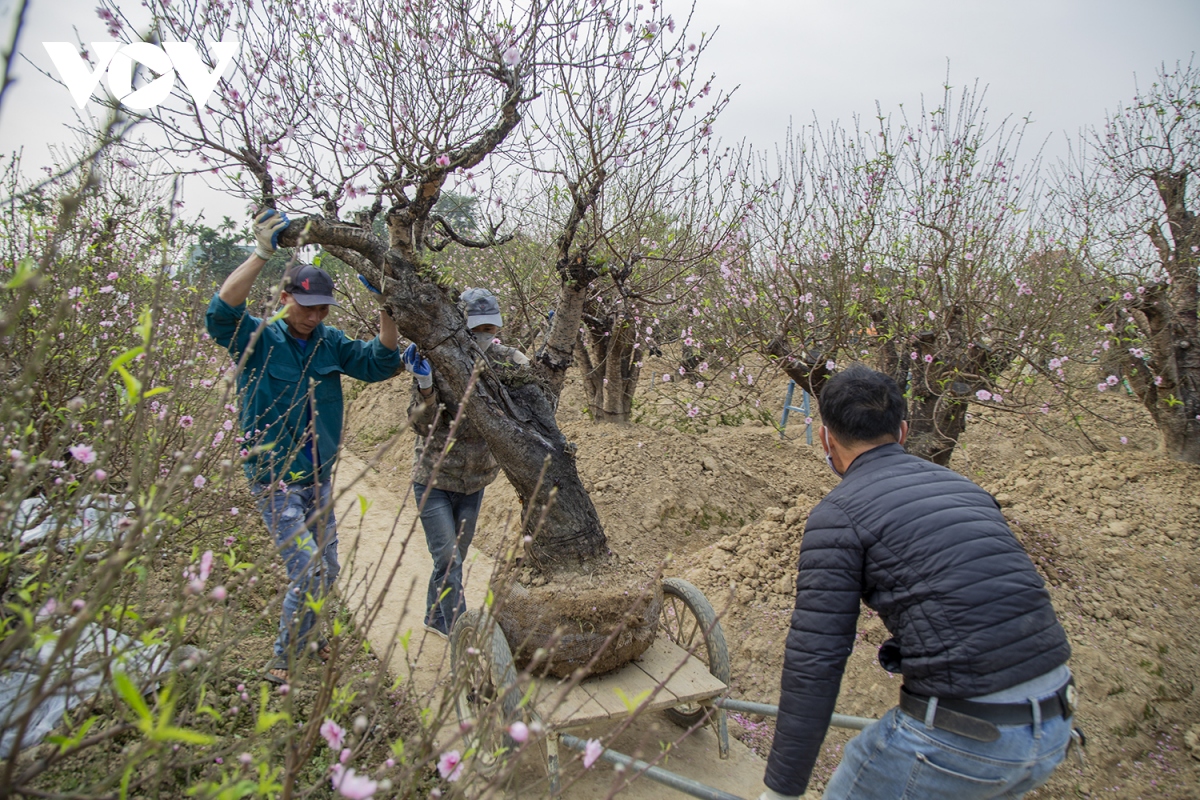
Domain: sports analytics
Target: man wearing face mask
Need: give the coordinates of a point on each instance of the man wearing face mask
(448, 482)
(987, 699)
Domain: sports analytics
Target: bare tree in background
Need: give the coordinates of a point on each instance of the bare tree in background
(629, 185)
(914, 246)
(1124, 194)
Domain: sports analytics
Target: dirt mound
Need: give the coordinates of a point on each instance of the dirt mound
(1115, 534)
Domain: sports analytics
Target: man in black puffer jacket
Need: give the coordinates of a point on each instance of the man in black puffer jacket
(987, 698)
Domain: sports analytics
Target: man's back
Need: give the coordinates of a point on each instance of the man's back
(968, 613)
(930, 551)
(973, 630)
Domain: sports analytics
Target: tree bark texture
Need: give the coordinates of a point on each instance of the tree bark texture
(941, 390)
(610, 362)
(934, 424)
(576, 270)
(557, 354)
(1166, 316)
(1174, 321)
(808, 368)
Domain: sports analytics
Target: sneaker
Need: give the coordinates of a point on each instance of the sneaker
(441, 634)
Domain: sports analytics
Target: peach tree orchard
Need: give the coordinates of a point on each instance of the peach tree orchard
(611, 236)
(362, 110)
(1124, 194)
(912, 244)
(622, 153)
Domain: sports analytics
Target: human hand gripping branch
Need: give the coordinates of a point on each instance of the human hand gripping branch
(267, 227)
(418, 366)
(389, 336)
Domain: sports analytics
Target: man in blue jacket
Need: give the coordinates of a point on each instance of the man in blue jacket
(291, 393)
(987, 698)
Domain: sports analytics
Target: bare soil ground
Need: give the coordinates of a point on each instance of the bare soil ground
(1113, 527)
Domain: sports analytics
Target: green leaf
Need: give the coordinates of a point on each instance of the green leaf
(168, 733)
(268, 719)
(133, 698)
(631, 703)
(363, 505)
(143, 328)
(25, 272)
(125, 358)
(133, 387)
(67, 742)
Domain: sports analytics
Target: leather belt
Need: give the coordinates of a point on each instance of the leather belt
(978, 721)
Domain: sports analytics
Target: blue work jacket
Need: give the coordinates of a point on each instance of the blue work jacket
(290, 389)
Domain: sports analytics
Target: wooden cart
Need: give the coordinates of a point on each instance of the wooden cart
(682, 673)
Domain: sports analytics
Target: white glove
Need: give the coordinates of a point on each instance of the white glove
(267, 227)
(771, 794)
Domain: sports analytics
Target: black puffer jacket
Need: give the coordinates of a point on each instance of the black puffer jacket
(930, 551)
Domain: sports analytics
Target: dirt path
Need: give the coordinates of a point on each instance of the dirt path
(387, 565)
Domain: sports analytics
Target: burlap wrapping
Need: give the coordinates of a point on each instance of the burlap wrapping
(572, 624)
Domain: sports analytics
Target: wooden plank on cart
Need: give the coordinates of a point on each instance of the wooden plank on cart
(596, 700)
(564, 706)
(632, 682)
(690, 682)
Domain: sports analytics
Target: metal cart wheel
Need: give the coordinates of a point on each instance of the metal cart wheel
(483, 671)
(689, 621)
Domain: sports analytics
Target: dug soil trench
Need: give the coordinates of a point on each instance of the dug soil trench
(1113, 528)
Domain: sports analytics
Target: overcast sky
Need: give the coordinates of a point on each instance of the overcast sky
(1062, 62)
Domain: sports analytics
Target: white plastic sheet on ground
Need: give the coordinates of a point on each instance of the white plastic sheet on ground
(80, 671)
(94, 518)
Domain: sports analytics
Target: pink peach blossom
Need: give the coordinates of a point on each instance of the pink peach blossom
(450, 765)
(334, 734)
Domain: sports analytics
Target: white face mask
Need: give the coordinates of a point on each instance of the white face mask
(829, 458)
(483, 339)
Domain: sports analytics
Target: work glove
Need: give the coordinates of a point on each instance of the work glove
(267, 227)
(373, 290)
(418, 366)
(771, 794)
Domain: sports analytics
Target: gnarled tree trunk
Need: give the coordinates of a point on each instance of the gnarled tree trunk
(609, 359)
(943, 385)
(578, 612)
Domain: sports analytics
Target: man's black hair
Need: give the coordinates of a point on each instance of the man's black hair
(861, 405)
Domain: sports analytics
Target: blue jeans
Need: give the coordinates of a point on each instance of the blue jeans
(898, 758)
(307, 542)
(449, 522)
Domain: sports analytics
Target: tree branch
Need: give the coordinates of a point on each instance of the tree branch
(453, 236)
(317, 230)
